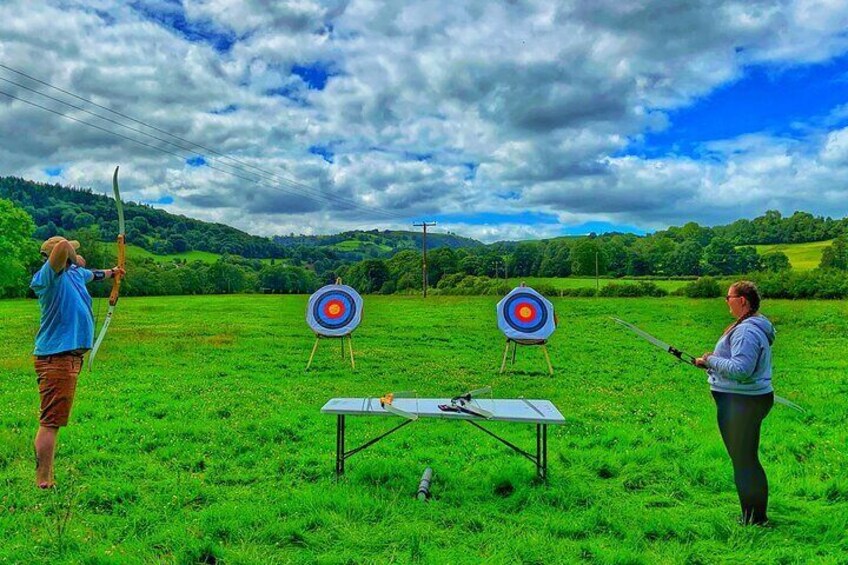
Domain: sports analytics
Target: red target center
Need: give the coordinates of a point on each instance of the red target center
(525, 311)
(334, 309)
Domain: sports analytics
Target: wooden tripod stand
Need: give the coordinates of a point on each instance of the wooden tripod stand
(319, 337)
(516, 342)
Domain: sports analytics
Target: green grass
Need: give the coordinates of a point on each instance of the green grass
(135, 252)
(576, 282)
(358, 245)
(199, 438)
(802, 256)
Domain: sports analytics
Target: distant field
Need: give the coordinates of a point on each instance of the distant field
(135, 252)
(574, 282)
(198, 438)
(357, 245)
(802, 256)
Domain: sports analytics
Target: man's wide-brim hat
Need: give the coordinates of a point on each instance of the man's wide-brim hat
(47, 246)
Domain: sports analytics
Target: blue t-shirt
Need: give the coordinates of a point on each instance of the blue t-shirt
(67, 322)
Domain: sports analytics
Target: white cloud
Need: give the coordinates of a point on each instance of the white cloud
(430, 107)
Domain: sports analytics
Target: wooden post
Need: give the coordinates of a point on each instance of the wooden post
(311, 355)
(506, 353)
(424, 225)
(548, 359)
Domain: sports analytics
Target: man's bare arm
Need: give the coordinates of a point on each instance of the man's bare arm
(60, 255)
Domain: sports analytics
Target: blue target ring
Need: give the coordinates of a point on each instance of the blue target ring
(334, 310)
(525, 312)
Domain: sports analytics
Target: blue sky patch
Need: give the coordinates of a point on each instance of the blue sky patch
(765, 99)
(600, 228)
(197, 161)
(325, 152)
(315, 75)
(165, 200)
(536, 219)
(171, 14)
(53, 171)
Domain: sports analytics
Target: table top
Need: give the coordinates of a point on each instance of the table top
(503, 409)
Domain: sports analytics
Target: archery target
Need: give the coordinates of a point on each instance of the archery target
(334, 310)
(526, 314)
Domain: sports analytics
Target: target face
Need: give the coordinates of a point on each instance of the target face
(526, 314)
(334, 310)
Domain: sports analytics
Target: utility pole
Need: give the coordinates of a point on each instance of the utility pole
(424, 226)
(597, 276)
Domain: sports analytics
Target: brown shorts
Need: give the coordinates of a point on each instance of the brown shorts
(57, 383)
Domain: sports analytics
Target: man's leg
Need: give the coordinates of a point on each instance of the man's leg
(45, 449)
(57, 383)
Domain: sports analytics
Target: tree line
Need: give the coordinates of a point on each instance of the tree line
(687, 251)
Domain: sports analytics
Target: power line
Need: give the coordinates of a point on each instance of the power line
(283, 180)
(315, 195)
(145, 124)
(163, 150)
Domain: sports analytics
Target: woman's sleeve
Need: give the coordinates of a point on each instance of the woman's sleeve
(744, 353)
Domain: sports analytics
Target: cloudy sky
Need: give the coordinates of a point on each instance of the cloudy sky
(498, 119)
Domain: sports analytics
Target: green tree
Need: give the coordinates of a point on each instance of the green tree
(179, 243)
(440, 262)
(748, 260)
(836, 255)
(524, 259)
(775, 261)
(721, 257)
(18, 249)
(686, 259)
(227, 278)
(405, 269)
(584, 257)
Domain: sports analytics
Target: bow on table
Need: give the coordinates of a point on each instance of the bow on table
(116, 280)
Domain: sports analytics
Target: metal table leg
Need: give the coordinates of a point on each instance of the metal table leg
(340, 445)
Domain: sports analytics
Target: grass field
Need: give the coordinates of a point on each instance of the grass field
(802, 256)
(198, 438)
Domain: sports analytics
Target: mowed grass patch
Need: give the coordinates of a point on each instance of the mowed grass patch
(136, 252)
(802, 256)
(198, 438)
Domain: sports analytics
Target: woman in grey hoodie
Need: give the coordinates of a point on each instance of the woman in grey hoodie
(740, 380)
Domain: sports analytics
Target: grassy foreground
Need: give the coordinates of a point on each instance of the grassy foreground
(198, 438)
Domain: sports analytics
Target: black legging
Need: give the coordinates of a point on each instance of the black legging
(739, 419)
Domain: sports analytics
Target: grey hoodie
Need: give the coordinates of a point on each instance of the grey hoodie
(741, 363)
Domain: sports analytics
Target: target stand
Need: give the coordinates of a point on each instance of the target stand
(526, 318)
(319, 337)
(334, 312)
(516, 342)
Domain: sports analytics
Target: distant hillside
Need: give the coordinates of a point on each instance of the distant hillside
(157, 234)
(162, 236)
(356, 245)
(59, 210)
